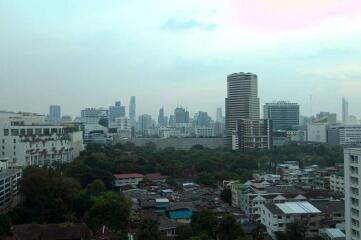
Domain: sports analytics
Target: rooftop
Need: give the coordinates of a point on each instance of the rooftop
(293, 208)
(128, 175)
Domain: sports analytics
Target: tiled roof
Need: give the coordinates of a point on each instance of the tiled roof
(128, 175)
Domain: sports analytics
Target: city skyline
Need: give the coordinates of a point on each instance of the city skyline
(183, 53)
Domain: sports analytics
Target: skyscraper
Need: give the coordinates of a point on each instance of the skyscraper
(352, 164)
(54, 114)
(284, 115)
(161, 118)
(242, 101)
(203, 120)
(219, 115)
(181, 115)
(344, 110)
(132, 110)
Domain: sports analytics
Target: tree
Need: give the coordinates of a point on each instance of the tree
(258, 232)
(229, 228)
(49, 196)
(5, 225)
(296, 231)
(95, 188)
(280, 236)
(226, 196)
(205, 222)
(184, 232)
(109, 209)
(149, 231)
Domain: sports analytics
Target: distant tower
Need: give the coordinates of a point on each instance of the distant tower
(161, 118)
(242, 101)
(54, 114)
(132, 110)
(116, 111)
(344, 110)
(219, 115)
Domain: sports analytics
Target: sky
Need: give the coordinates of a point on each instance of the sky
(90, 53)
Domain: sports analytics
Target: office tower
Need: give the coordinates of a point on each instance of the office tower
(116, 111)
(171, 121)
(344, 111)
(161, 118)
(242, 101)
(54, 114)
(132, 110)
(328, 117)
(203, 120)
(181, 115)
(219, 115)
(145, 122)
(94, 116)
(252, 134)
(284, 115)
(352, 165)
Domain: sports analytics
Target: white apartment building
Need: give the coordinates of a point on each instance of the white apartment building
(352, 165)
(27, 140)
(204, 132)
(93, 115)
(128, 179)
(9, 185)
(337, 182)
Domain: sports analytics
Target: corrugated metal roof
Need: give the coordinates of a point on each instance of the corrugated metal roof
(297, 208)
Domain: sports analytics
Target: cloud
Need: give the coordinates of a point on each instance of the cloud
(174, 24)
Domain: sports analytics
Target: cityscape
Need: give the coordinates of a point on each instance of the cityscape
(258, 166)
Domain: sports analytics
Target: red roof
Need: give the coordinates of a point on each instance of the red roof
(154, 176)
(128, 175)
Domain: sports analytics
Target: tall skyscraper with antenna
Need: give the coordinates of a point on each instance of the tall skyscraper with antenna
(132, 110)
(345, 115)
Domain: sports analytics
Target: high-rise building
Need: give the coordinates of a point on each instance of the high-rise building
(242, 101)
(344, 110)
(54, 114)
(284, 115)
(132, 110)
(161, 118)
(145, 122)
(94, 116)
(181, 115)
(252, 134)
(219, 115)
(352, 165)
(203, 120)
(116, 111)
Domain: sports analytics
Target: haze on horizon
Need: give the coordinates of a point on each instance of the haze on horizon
(91, 53)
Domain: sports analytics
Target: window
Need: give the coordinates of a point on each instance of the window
(6, 132)
(38, 131)
(14, 140)
(14, 132)
(3, 141)
(22, 132)
(29, 132)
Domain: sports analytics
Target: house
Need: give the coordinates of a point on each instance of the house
(128, 179)
(181, 215)
(155, 177)
(50, 231)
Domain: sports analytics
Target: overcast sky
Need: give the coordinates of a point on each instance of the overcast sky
(89, 53)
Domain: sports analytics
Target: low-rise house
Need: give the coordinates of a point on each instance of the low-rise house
(181, 215)
(332, 234)
(155, 177)
(128, 179)
(313, 215)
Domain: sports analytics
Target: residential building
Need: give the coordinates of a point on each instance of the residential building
(9, 185)
(128, 179)
(337, 182)
(332, 234)
(252, 134)
(313, 214)
(242, 101)
(28, 140)
(284, 115)
(352, 166)
(54, 114)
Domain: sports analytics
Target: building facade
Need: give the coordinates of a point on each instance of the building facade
(94, 115)
(242, 101)
(352, 166)
(54, 114)
(284, 115)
